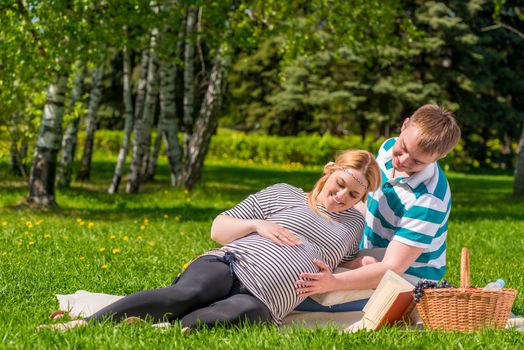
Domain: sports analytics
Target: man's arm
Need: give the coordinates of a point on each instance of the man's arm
(398, 258)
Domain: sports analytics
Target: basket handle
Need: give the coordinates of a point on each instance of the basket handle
(464, 268)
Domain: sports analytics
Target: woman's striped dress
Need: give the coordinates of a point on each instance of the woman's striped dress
(269, 271)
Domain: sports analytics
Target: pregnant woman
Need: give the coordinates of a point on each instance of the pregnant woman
(268, 240)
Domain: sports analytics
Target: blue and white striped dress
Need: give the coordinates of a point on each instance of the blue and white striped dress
(269, 271)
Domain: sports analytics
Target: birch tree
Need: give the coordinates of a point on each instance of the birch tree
(189, 66)
(42, 176)
(143, 124)
(94, 102)
(128, 115)
(207, 119)
(70, 138)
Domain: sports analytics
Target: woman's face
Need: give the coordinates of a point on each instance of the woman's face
(342, 191)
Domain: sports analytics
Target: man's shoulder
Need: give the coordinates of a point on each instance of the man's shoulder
(388, 144)
(438, 185)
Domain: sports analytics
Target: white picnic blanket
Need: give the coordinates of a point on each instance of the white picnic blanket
(83, 303)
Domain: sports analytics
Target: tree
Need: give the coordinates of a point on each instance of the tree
(94, 102)
(70, 137)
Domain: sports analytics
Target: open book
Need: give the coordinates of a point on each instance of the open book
(389, 303)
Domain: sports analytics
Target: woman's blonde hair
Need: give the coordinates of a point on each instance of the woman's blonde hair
(362, 161)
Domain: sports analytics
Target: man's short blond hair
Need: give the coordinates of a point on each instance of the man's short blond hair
(438, 132)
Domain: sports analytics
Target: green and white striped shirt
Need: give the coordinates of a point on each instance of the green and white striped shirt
(412, 210)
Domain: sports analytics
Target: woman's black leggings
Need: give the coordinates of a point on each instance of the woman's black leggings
(206, 293)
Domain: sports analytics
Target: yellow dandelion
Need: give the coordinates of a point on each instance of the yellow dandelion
(139, 238)
(116, 250)
(177, 218)
(65, 238)
(146, 221)
(31, 242)
(142, 227)
(112, 237)
(29, 224)
(151, 243)
(26, 233)
(188, 200)
(104, 266)
(82, 258)
(47, 235)
(165, 216)
(39, 222)
(79, 220)
(91, 224)
(125, 238)
(19, 242)
(185, 266)
(81, 223)
(101, 250)
(4, 223)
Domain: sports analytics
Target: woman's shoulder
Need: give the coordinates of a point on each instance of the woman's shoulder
(286, 188)
(285, 192)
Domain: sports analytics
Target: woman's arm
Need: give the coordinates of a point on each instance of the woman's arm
(398, 258)
(225, 229)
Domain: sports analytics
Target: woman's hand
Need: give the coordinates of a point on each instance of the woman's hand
(316, 283)
(225, 229)
(277, 233)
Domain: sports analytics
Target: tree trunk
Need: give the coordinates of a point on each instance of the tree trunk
(143, 125)
(207, 120)
(43, 170)
(153, 158)
(70, 139)
(94, 103)
(189, 62)
(16, 157)
(518, 186)
(167, 123)
(128, 116)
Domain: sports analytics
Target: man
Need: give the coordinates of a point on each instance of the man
(408, 214)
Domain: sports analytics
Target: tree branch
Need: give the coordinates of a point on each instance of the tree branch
(505, 26)
(25, 15)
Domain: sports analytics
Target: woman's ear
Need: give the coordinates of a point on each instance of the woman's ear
(328, 168)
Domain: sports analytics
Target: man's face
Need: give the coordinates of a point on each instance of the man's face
(407, 157)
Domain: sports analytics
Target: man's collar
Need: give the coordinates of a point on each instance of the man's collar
(425, 174)
(414, 180)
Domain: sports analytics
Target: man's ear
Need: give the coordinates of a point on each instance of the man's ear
(404, 124)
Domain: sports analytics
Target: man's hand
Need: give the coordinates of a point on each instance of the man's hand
(316, 283)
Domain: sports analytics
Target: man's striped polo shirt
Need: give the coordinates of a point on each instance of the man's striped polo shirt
(413, 210)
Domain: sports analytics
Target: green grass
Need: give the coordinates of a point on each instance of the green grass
(125, 243)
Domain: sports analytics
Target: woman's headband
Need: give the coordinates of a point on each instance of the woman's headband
(348, 171)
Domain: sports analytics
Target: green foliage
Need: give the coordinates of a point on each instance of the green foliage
(298, 150)
(123, 243)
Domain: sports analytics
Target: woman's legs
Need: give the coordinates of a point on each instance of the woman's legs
(233, 310)
(206, 280)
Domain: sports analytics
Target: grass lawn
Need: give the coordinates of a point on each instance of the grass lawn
(124, 243)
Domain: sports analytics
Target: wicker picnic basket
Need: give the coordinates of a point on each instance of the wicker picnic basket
(465, 309)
